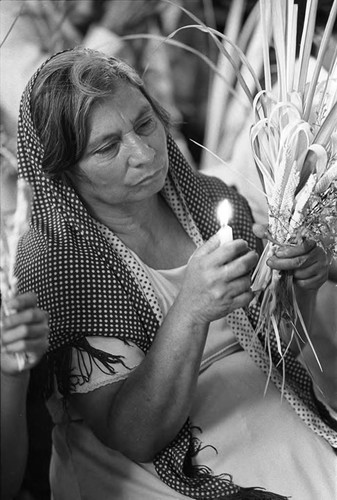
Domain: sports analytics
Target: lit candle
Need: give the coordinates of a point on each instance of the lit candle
(224, 215)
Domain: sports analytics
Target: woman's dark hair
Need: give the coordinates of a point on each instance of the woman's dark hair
(62, 97)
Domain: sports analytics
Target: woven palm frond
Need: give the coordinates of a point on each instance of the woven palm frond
(293, 136)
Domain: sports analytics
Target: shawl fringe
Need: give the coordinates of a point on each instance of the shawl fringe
(254, 494)
(60, 366)
(198, 481)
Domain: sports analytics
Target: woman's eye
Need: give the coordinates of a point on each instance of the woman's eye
(108, 149)
(146, 126)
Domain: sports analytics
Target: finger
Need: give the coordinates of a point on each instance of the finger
(208, 247)
(240, 267)
(233, 247)
(288, 251)
(37, 346)
(260, 231)
(311, 283)
(310, 269)
(316, 258)
(28, 316)
(25, 332)
(291, 263)
(243, 299)
(309, 277)
(228, 252)
(24, 301)
(238, 287)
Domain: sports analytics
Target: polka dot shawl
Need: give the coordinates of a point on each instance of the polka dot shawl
(92, 287)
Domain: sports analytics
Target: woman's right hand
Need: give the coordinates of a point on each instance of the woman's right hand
(218, 280)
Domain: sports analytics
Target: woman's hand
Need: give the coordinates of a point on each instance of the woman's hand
(308, 263)
(24, 332)
(217, 280)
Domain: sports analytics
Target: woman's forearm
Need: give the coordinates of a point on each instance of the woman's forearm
(155, 400)
(14, 437)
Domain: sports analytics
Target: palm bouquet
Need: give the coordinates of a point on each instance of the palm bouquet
(294, 144)
(293, 141)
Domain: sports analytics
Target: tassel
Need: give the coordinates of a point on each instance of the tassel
(255, 494)
(60, 366)
(175, 468)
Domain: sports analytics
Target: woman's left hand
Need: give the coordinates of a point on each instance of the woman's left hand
(308, 263)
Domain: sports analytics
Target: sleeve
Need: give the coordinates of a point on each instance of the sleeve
(97, 374)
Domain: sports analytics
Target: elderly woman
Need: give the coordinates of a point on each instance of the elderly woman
(158, 378)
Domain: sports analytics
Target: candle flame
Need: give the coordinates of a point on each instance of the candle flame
(224, 212)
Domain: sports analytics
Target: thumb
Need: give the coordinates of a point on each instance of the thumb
(210, 245)
(260, 230)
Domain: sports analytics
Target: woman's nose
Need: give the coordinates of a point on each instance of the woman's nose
(138, 151)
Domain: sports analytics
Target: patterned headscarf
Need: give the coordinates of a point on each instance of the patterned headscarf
(88, 288)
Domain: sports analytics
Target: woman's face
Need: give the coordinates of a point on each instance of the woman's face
(126, 159)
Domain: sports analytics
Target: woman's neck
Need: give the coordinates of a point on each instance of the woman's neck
(153, 232)
(133, 221)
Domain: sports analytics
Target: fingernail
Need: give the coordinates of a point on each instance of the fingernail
(280, 251)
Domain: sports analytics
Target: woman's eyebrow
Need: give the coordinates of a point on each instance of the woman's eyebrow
(92, 145)
(146, 109)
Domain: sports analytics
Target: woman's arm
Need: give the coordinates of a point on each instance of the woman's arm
(142, 414)
(23, 331)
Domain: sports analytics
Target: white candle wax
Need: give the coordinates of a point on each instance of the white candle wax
(224, 214)
(225, 234)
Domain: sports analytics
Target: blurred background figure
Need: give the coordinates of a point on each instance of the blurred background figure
(24, 330)
(25, 422)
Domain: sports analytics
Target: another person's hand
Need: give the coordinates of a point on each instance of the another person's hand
(24, 332)
(218, 279)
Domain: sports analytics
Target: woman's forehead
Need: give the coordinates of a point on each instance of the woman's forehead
(126, 102)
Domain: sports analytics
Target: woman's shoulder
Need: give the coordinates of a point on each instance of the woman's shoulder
(40, 247)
